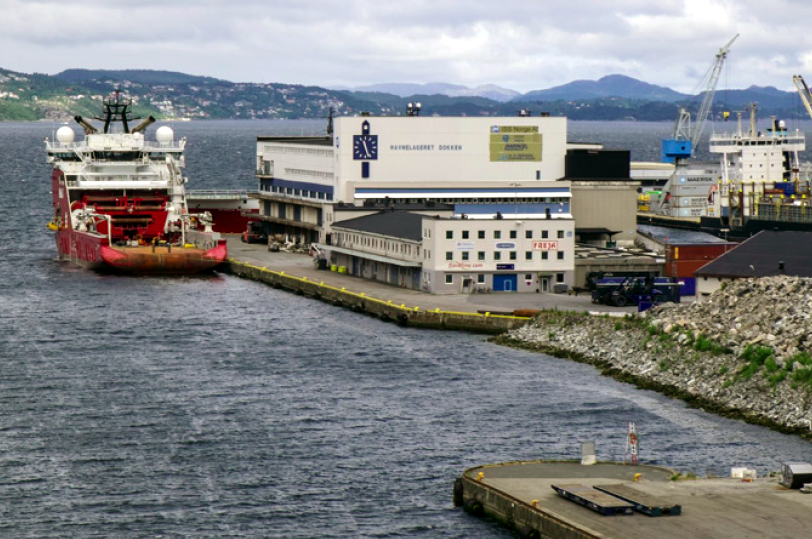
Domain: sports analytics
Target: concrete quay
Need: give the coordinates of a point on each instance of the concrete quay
(710, 508)
(296, 273)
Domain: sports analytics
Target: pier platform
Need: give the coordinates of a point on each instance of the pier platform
(522, 495)
(244, 257)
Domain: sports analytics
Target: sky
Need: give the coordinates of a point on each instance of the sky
(523, 45)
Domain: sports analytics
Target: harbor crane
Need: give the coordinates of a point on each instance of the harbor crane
(803, 91)
(685, 138)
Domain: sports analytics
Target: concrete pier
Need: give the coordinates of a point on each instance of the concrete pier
(520, 496)
(484, 313)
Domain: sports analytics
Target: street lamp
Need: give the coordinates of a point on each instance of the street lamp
(413, 109)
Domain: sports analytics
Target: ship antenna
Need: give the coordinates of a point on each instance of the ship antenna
(330, 123)
(116, 109)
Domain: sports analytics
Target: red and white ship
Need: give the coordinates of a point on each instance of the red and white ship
(120, 202)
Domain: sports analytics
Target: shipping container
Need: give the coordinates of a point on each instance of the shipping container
(682, 269)
(696, 251)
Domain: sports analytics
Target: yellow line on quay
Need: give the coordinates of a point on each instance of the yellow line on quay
(363, 295)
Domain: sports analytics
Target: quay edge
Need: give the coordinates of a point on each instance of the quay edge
(385, 310)
(520, 496)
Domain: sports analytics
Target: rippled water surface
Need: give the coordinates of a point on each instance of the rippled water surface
(216, 407)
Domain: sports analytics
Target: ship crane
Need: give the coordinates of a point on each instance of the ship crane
(685, 138)
(803, 91)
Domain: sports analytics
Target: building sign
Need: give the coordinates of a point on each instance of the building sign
(545, 246)
(515, 143)
(464, 265)
(425, 147)
(465, 246)
(500, 267)
(506, 245)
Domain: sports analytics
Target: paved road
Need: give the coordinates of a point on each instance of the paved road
(301, 265)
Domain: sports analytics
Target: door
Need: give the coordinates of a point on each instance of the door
(545, 284)
(505, 282)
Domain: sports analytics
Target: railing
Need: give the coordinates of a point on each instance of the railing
(217, 193)
(123, 146)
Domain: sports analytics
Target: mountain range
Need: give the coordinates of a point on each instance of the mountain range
(171, 94)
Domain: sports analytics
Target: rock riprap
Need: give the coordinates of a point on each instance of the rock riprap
(744, 352)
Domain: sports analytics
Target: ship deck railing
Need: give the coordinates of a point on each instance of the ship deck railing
(218, 194)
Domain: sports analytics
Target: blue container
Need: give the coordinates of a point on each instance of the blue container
(687, 286)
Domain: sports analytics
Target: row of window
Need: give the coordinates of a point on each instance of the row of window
(497, 255)
(480, 278)
(476, 200)
(297, 151)
(305, 172)
(304, 193)
(497, 234)
(373, 243)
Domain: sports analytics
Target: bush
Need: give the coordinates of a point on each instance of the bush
(802, 376)
(777, 378)
(702, 343)
(756, 357)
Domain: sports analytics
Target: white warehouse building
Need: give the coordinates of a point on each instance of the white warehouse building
(497, 176)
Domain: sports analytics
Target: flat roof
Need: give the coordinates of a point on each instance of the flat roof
(396, 224)
(422, 206)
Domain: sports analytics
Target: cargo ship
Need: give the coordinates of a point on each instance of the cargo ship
(120, 202)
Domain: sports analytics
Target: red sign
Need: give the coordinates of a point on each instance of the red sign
(545, 245)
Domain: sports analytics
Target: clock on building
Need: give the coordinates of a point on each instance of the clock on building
(365, 147)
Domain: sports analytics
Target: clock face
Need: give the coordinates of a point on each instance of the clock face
(365, 147)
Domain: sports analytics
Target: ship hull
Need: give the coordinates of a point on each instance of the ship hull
(92, 251)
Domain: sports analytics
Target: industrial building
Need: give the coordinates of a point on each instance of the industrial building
(495, 205)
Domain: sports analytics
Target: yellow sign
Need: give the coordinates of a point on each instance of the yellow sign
(511, 143)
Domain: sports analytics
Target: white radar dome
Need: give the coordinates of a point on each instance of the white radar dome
(65, 134)
(165, 135)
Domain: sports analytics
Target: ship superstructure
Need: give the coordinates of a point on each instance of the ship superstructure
(119, 199)
(760, 174)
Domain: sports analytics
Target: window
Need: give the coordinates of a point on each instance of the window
(449, 278)
(561, 255)
(560, 234)
(481, 234)
(513, 255)
(449, 255)
(528, 255)
(559, 277)
(497, 234)
(465, 255)
(528, 234)
(465, 234)
(544, 234)
(528, 276)
(497, 255)
(480, 279)
(513, 234)
(449, 234)
(480, 255)
(544, 255)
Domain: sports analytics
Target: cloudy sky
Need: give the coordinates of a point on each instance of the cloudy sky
(518, 44)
